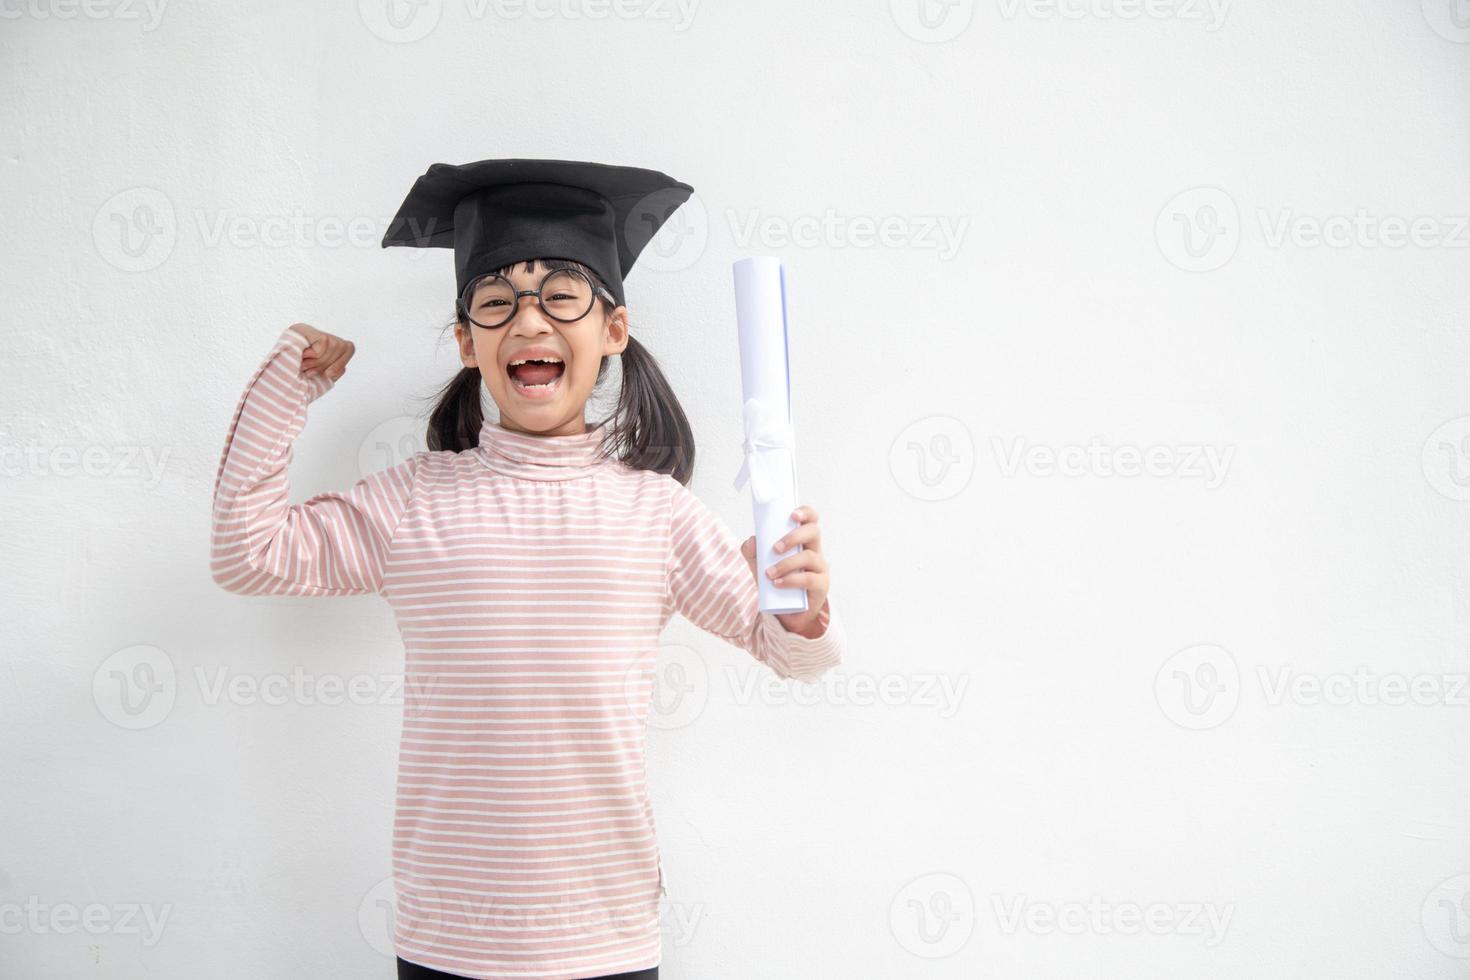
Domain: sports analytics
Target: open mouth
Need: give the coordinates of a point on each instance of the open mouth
(535, 375)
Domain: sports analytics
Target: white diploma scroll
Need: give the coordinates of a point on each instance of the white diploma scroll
(770, 444)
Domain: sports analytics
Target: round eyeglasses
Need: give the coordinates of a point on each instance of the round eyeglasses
(565, 295)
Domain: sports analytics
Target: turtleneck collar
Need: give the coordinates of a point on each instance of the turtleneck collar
(534, 457)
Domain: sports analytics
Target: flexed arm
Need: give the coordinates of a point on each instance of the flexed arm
(334, 544)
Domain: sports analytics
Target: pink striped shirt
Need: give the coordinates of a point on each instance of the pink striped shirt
(530, 579)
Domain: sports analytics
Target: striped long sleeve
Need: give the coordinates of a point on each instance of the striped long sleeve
(334, 544)
(711, 585)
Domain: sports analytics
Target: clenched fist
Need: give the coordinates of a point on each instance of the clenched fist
(327, 355)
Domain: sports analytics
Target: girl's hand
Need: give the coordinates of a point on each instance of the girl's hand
(806, 569)
(327, 355)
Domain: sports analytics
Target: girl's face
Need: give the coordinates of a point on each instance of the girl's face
(555, 409)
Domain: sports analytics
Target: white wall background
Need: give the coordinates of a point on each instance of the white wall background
(1099, 717)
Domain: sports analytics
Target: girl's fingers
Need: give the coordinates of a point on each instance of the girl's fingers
(316, 365)
(314, 357)
(807, 530)
(332, 360)
(802, 580)
(809, 535)
(335, 367)
(802, 559)
(324, 354)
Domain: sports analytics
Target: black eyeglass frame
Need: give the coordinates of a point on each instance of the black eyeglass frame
(515, 307)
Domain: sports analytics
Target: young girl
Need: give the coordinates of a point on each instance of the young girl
(531, 564)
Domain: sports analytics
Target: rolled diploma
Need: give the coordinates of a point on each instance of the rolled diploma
(770, 458)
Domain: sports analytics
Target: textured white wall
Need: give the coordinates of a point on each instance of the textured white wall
(1204, 720)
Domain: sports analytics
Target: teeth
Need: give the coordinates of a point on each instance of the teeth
(528, 360)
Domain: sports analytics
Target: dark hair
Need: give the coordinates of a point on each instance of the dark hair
(647, 429)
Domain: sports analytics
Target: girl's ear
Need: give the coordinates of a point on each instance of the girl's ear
(466, 344)
(616, 332)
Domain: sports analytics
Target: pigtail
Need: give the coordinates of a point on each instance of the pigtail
(455, 422)
(649, 430)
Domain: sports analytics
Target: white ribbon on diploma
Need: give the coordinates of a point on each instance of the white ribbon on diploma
(766, 429)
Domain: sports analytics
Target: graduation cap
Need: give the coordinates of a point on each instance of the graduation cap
(496, 212)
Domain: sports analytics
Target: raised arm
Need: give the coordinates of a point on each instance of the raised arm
(711, 585)
(334, 544)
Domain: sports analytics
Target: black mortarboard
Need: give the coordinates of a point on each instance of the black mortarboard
(496, 212)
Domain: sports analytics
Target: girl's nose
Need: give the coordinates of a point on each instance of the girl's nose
(529, 316)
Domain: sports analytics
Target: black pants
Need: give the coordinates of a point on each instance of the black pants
(413, 971)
